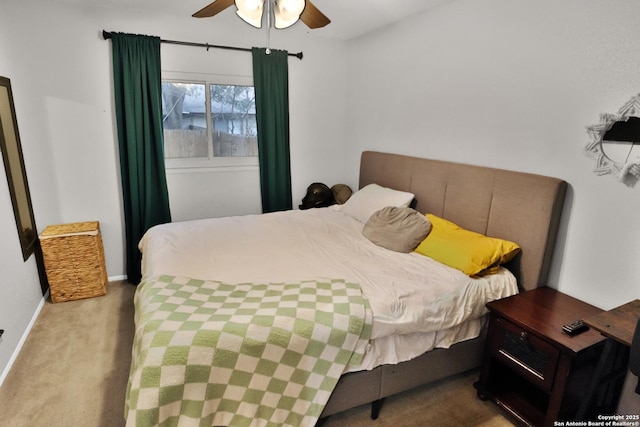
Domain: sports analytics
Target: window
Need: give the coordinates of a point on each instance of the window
(233, 114)
(208, 124)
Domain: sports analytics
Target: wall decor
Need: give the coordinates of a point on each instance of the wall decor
(615, 143)
(11, 150)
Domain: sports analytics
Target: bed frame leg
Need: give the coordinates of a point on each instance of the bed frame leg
(376, 406)
(321, 421)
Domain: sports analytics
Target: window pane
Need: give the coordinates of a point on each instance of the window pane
(184, 120)
(233, 114)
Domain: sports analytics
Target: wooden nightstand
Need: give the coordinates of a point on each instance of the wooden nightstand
(531, 369)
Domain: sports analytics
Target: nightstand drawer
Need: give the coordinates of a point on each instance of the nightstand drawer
(531, 369)
(525, 353)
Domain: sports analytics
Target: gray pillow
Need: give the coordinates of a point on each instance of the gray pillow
(399, 229)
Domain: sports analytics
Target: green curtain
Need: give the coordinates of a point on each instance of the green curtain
(138, 99)
(271, 81)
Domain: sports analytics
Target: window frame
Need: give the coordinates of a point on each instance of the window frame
(211, 161)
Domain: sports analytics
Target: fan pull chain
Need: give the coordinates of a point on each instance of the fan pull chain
(269, 7)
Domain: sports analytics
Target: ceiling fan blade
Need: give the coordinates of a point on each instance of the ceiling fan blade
(213, 8)
(312, 17)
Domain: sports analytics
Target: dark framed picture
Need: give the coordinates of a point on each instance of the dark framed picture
(11, 150)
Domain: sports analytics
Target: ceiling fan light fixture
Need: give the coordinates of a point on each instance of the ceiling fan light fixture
(250, 11)
(287, 12)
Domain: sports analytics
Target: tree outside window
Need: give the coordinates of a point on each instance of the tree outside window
(201, 124)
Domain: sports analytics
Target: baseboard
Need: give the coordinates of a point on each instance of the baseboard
(14, 356)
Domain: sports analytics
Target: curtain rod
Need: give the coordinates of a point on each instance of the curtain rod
(107, 35)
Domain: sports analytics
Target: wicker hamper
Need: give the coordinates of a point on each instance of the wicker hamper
(74, 261)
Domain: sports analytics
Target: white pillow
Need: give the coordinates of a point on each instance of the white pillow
(371, 198)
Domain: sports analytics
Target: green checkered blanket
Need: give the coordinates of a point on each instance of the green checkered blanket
(207, 353)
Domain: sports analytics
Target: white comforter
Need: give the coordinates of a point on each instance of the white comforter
(414, 299)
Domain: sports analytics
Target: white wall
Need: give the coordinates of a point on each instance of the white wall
(60, 69)
(497, 83)
(20, 294)
(317, 90)
(72, 101)
(514, 85)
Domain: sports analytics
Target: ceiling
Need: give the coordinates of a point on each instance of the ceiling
(349, 18)
(353, 18)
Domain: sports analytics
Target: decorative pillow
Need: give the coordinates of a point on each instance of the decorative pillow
(371, 198)
(472, 253)
(399, 229)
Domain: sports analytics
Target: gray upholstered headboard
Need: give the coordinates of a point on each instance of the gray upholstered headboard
(521, 207)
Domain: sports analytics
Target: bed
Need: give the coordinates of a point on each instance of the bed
(397, 332)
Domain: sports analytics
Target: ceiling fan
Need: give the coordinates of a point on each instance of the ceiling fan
(286, 12)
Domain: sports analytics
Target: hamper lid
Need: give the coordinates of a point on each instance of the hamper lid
(90, 228)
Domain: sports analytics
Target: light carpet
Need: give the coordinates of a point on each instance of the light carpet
(72, 371)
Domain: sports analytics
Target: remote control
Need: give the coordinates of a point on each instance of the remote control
(574, 328)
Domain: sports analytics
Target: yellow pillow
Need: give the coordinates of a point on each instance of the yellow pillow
(472, 253)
